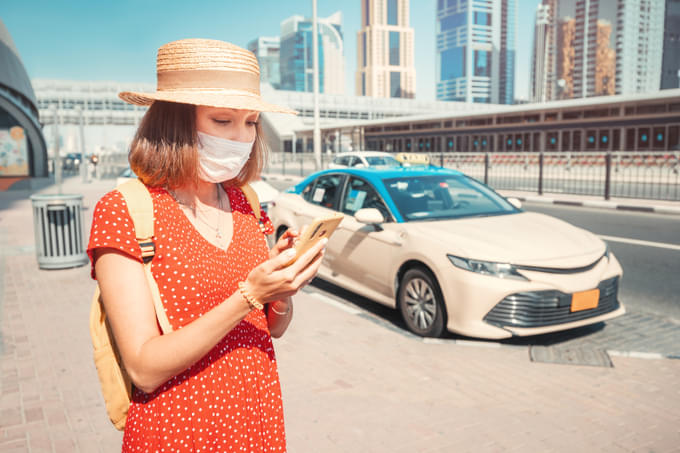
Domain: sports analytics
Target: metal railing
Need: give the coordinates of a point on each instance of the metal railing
(649, 175)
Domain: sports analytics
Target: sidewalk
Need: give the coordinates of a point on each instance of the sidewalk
(630, 204)
(348, 383)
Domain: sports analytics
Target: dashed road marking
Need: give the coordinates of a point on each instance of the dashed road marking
(636, 354)
(662, 245)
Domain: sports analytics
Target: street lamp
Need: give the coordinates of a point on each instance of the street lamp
(83, 162)
(315, 59)
(57, 158)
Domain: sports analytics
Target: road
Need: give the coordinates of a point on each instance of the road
(651, 267)
(643, 244)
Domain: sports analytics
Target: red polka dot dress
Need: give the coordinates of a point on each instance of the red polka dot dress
(230, 400)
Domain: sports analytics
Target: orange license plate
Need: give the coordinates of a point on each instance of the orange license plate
(585, 300)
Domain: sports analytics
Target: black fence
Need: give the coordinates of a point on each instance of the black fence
(649, 175)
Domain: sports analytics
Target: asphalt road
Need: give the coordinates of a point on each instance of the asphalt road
(651, 279)
(651, 269)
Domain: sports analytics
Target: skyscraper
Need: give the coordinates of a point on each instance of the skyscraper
(542, 56)
(639, 45)
(506, 90)
(670, 68)
(385, 50)
(593, 36)
(475, 51)
(296, 63)
(564, 83)
(266, 50)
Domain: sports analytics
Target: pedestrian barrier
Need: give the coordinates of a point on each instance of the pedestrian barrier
(58, 227)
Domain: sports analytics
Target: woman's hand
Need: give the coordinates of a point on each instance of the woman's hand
(286, 241)
(273, 280)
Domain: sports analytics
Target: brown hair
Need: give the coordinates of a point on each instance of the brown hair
(164, 150)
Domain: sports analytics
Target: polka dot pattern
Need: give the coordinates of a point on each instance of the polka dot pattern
(230, 400)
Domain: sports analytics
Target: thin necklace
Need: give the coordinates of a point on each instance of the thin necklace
(194, 207)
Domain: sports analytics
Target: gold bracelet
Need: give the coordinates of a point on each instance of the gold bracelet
(271, 307)
(252, 302)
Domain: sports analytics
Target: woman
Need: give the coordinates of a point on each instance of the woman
(212, 383)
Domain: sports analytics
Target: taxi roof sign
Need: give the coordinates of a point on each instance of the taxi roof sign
(413, 158)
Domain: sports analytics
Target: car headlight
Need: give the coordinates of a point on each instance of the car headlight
(501, 270)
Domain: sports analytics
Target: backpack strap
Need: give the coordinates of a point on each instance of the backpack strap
(252, 198)
(140, 207)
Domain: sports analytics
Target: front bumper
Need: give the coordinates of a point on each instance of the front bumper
(471, 297)
(548, 308)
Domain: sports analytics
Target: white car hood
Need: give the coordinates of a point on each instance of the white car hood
(525, 238)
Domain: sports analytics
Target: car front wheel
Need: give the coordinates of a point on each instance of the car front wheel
(421, 304)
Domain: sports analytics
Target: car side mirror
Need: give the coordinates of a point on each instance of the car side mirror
(515, 202)
(369, 216)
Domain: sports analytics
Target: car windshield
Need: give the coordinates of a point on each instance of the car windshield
(381, 160)
(436, 197)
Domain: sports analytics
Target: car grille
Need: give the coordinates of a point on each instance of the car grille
(547, 308)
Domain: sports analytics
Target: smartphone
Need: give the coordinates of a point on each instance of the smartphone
(321, 227)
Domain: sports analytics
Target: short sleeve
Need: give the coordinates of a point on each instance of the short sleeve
(112, 227)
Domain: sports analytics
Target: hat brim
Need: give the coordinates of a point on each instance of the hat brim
(208, 98)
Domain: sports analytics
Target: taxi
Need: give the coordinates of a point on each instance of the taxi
(451, 254)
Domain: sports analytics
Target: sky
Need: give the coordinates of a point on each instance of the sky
(117, 40)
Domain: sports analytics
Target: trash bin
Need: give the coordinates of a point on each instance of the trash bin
(58, 226)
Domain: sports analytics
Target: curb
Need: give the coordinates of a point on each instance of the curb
(279, 177)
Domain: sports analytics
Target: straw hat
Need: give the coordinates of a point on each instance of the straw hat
(206, 72)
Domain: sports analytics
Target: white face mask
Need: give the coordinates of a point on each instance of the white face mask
(220, 159)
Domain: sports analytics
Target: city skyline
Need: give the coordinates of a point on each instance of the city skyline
(123, 47)
(586, 48)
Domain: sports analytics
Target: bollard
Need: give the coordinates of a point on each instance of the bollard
(540, 173)
(58, 227)
(608, 175)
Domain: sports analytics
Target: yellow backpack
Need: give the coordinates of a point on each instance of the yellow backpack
(115, 382)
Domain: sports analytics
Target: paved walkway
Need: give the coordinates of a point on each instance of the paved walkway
(348, 383)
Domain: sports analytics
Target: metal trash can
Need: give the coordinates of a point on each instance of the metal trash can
(58, 226)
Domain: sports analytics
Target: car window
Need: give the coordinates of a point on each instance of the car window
(341, 160)
(307, 191)
(445, 197)
(360, 194)
(382, 161)
(326, 191)
(354, 161)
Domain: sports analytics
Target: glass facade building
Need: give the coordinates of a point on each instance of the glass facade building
(296, 56)
(266, 50)
(475, 44)
(507, 52)
(670, 70)
(639, 44)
